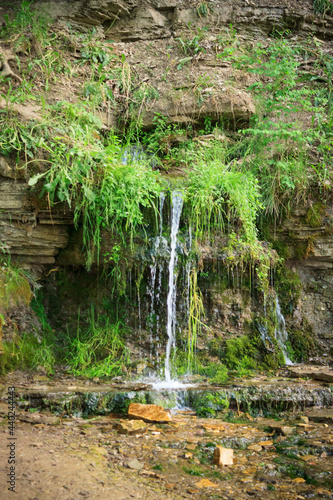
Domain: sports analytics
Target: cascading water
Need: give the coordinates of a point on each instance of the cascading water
(177, 205)
(281, 334)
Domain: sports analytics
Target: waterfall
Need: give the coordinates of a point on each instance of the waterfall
(281, 334)
(162, 199)
(177, 205)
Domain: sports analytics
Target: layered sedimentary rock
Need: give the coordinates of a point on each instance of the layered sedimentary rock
(29, 231)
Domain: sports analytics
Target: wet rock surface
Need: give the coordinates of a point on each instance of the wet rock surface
(83, 399)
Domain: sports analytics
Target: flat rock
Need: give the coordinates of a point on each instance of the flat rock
(36, 418)
(134, 464)
(255, 447)
(148, 413)
(206, 483)
(285, 430)
(323, 373)
(131, 427)
(322, 415)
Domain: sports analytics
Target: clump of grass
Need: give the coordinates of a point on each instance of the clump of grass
(14, 287)
(27, 352)
(99, 350)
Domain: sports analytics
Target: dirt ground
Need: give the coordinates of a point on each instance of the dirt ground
(72, 458)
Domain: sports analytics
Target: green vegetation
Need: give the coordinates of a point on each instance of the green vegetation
(323, 6)
(90, 153)
(210, 404)
(27, 352)
(98, 350)
(301, 344)
(14, 287)
(288, 287)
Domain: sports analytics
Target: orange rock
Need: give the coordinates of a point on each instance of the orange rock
(223, 456)
(148, 413)
(298, 480)
(206, 483)
(213, 427)
(191, 446)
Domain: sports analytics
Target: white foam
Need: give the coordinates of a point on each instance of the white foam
(170, 385)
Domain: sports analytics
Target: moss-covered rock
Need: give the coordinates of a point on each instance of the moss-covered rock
(288, 286)
(302, 343)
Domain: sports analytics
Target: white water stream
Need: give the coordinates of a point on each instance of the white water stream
(281, 334)
(177, 205)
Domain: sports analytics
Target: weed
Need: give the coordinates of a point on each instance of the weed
(194, 471)
(98, 350)
(323, 7)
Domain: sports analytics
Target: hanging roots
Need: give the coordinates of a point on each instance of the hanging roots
(5, 69)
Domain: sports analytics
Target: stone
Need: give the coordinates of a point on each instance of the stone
(285, 430)
(323, 373)
(206, 483)
(266, 444)
(321, 415)
(31, 418)
(298, 480)
(131, 427)
(134, 464)
(213, 427)
(188, 455)
(50, 420)
(223, 456)
(148, 413)
(191, 446)
(305, 427)
(255, 447)
(186, 110)
(149, 473)
(303, 419)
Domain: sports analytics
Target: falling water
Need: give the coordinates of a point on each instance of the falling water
(177, 204)
(158, 242)
(162, 199)
(281, 334)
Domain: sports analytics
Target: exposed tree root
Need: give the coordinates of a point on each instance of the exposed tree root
(5, 57)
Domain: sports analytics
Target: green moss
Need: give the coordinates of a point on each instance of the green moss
(248, 353)
(282, 248)
(288, 287)
(315, 214)
(209, 404)
(302, 343)
(236, 349)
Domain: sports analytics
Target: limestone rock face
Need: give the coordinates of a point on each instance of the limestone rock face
(234, 106)
(31, 234)
(136, 20)
(148, 413)
(308, 237)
